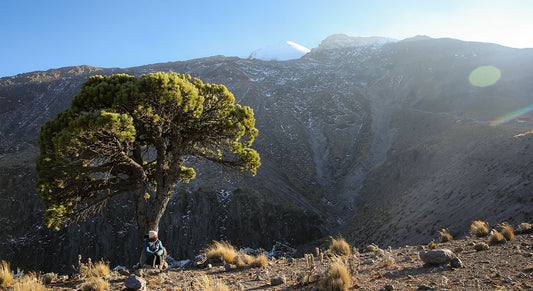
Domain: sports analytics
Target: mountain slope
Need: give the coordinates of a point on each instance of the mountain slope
(384, 141)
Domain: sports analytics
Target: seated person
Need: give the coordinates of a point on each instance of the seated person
(153, 249)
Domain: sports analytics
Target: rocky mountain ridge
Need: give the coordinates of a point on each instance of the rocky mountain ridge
(386, 142)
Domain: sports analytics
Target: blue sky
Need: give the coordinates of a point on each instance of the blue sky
(40, 35)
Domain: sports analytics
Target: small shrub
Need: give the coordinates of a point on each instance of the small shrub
(6, 276)
(372, 248)
(507, 231)
(335, 279)
(496, 238)
(95, 284)
(49, 278)
(524, 227)
(340, 247)
(91, 269)
(445, 236)
(222, 250)
(479, 228)
(481, 246)
(432, 245)
(28, 283)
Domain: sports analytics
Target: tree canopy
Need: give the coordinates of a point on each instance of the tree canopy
(127, 134)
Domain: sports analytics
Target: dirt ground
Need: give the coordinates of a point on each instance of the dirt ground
(507, 266)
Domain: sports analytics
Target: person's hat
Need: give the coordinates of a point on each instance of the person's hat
(152, 234)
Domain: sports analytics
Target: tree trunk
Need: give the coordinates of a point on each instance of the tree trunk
(141, 211)
(148, 217)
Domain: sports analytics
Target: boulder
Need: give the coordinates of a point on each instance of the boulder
(436, 257)
(134, 282)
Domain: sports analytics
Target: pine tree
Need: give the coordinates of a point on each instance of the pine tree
(124, 134)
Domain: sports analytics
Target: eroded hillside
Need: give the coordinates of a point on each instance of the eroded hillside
(387, 142)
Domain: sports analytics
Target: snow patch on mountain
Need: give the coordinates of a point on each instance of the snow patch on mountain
(338, 41)
(282, 51)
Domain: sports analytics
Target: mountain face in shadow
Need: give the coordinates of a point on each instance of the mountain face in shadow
(386, 142)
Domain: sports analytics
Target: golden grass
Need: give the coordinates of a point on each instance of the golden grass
(259, 261)
(27, 283)
(95, 284)
(101, 269)
(91, 269)
(507, 231)
(222, 250)
(479, 228)
(496, 238)
(244, 260)
(205, 283)
(336, 278)
(6, 276)
(340, 247)
(445, 236)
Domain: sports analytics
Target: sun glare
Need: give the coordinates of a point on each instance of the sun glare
(484, 76)
(511, 116)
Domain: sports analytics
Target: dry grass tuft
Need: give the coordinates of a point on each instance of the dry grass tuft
(432, 245)
(95, 284)
(28, 283)
(6, 276)
(205, 283)
(340, 247)
(479, 228)
(244, 260)
(524, 227)
(259, 261)
(91, 269)
(222, 250)
(507, 231)
(335, 279)
(445, 236)
(496, 238)
(101, 269)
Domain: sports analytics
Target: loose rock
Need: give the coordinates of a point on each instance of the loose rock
(134, 282)
(278, 281)
(436, 257)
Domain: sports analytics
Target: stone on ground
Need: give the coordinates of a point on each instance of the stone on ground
(436, 257)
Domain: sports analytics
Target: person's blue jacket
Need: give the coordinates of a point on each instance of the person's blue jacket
(153, 247)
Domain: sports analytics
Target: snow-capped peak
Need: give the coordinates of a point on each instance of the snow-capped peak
(282, 51)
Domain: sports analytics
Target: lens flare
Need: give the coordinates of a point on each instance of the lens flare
(484, 76)
(511, 116)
